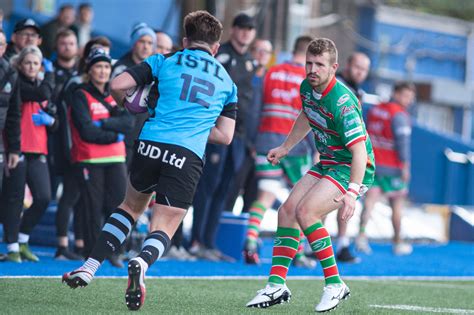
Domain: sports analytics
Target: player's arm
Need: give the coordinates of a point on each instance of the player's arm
(137, 75)
(401, 129)
(223, 131)
(299, 130)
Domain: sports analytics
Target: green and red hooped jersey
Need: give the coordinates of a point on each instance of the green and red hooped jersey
(336, 121)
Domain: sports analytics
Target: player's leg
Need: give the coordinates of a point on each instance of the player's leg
(397, 203)
(269, 181)
(137, 197)
(371, 197)
(314, 206)
(164, 223)
(112, 236)
(285, 247)
(295, 167)
(175, 190)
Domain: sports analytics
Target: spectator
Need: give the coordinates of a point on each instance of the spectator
(64, 19)
(353, 75)
(25, 33)
(84, 24)
(389, 128)
(65, 67)
(261, 51)
(97, 126)
(164, 43)
(224, 162)
(281, 106)
(9, 112)
(10, 117)
(143, 40)
(71, 189)
(37, 115)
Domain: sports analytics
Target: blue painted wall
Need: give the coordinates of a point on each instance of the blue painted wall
(115, 18)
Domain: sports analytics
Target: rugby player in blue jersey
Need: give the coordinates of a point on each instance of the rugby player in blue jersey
(196, 104)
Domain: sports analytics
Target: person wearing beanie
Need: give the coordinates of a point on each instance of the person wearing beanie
(143, 42)
(98, 151)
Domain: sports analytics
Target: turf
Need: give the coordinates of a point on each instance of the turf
(201, 296)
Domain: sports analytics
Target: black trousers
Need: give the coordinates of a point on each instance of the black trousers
(102, 189)
(68, 201)
(33, 170)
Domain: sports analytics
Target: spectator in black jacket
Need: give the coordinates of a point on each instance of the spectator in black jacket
(37, 114)
(71, 190)
(10, 130)
(9, 112)
(98, 150)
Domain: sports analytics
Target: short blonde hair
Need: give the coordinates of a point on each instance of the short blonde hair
(18, 59)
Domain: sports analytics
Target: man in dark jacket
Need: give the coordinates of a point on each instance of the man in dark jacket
(9, 113)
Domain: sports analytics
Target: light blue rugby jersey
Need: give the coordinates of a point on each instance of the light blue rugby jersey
(193, 90)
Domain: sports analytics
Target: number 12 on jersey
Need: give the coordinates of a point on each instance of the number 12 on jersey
(193, 86)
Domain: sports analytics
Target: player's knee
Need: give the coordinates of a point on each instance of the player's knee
(304, 213)
(286, 211)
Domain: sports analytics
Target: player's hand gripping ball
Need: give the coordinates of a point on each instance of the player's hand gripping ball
(136, 99)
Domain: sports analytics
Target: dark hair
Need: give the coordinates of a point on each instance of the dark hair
(85, 5)
(64, 32)
(99, 40)
(404, 85)
(201, 26)
(319, 46)
(301, 43)
(65, 7)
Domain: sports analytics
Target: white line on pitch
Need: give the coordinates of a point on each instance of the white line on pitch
(415, 308)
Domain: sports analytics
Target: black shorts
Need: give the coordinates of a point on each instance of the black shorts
(171, 171)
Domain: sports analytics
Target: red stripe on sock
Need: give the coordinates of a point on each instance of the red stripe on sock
(325, 253)
(279, 270)
(317, 235)
(254, 221)
(331, 271)
(252, 234)
(284, 251)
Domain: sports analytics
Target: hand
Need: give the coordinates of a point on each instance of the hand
(42, 119)
(120, 137)
(13, 159)
(275, 155)
(97, 123)
(347, 210)
(47, 65)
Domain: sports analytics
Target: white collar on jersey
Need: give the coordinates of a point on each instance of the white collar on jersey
(316, 95)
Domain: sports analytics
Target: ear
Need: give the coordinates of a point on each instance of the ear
(185, 42)
(335, 66)
(215, 48)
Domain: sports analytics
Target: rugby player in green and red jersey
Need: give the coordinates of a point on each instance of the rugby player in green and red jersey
(345, 171)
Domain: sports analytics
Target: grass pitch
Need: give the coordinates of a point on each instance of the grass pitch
(201, 296)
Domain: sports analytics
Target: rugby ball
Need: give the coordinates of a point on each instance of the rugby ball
(136, 99)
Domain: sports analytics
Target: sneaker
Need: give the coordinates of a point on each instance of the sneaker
(196, 249)
(11, 257)
(345, 256)
(27, 254)
(304, 262)
(251, 257)
(77, 278)
(185, 255)
(62, 253)
(221, 256)
(136, 291)
(333, 294)
(115, 260)
(270, 295)
(362, 245)
(401, 249)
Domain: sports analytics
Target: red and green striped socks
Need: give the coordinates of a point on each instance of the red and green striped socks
(320, 242)
(257, 211)
(284, 250)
